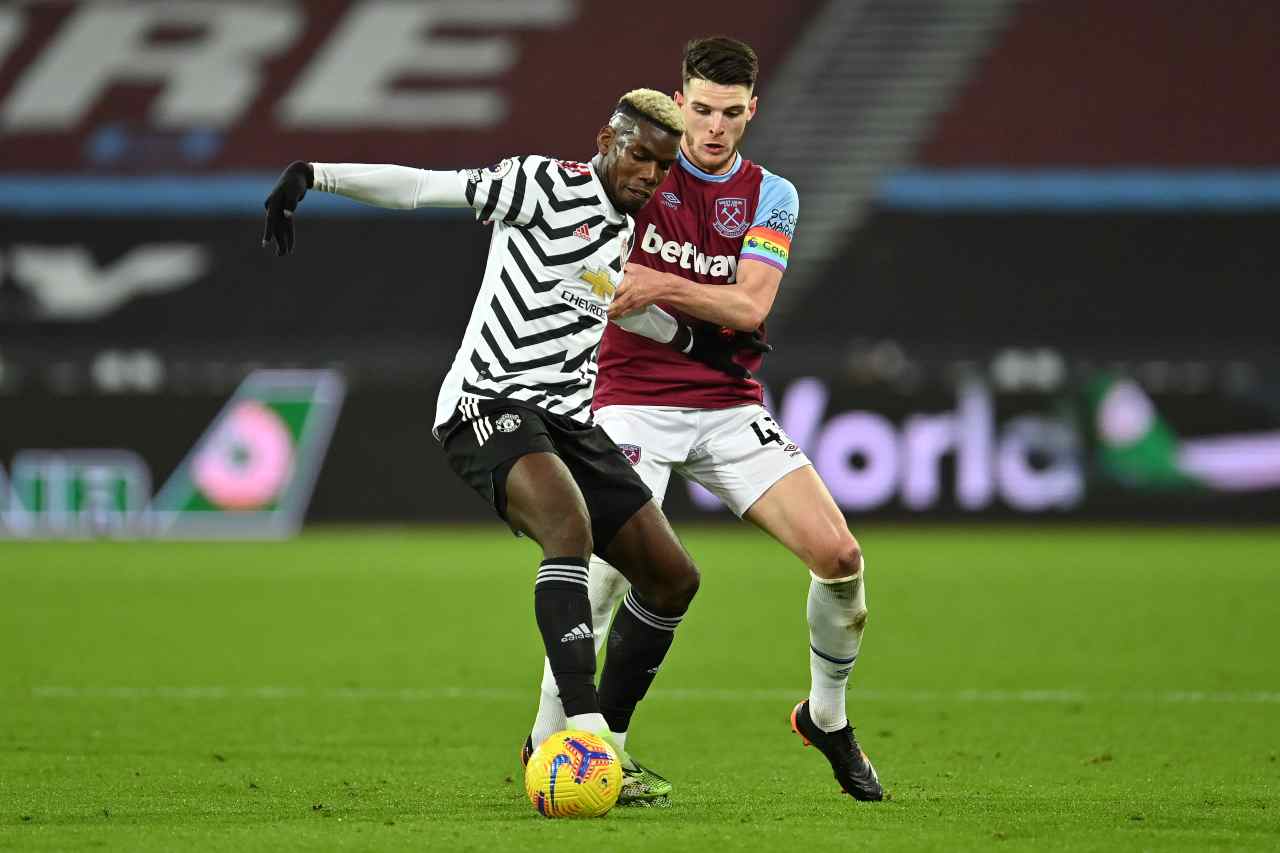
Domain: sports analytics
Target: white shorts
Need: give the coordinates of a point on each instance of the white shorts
(736, 454)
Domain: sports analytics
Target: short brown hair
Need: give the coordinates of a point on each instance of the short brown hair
(720, 59)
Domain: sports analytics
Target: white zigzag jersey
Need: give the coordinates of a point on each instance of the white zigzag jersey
(555, 258)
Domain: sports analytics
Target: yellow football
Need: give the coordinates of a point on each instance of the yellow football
(573, 774)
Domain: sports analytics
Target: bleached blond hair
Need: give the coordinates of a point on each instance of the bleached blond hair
(653, 106)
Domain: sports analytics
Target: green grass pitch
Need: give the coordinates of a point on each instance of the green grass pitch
(1019, 688)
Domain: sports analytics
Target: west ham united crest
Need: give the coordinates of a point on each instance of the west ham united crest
(731, 217)
(631, 451)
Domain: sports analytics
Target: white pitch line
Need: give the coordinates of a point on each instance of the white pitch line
(693, 694)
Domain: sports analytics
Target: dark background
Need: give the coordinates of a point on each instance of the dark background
(1032, 300)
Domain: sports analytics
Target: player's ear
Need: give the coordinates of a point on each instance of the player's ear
(604, 140)
(751, 108)
(678, 97)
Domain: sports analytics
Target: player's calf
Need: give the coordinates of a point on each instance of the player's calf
(543, 501)
(837, 615)
(663, 583)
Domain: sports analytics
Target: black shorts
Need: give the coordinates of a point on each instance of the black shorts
(482, 451)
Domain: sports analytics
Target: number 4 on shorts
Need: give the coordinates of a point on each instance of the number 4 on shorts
(768, 434)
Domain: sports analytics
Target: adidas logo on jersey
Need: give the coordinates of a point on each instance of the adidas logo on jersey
(579, 632)
(688, 256)
(583, 232)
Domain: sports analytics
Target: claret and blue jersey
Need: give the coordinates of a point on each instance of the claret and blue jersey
(700, 227)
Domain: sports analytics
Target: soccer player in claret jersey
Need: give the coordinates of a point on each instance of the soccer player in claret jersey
(514, 412)
(712, 249)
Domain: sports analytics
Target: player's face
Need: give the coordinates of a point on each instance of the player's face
(715, 118)
(633, 170)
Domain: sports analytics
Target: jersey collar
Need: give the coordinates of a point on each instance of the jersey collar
(687, 165)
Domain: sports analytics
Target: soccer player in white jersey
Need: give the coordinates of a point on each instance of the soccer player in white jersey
(513, 414)
(714, 248)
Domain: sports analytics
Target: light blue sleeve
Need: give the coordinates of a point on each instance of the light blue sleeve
(779, 205)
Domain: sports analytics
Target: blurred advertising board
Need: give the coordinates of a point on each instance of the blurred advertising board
(249, 475)
(184, 282)
(1151, 285)
(81, 466)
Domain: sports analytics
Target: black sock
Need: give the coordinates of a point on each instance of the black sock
(563, 611)
(638, 642)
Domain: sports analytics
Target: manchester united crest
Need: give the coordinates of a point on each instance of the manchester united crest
(507, 422)
(631, 451)
(731, 217)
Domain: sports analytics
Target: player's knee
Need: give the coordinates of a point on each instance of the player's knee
(688, 586)
(841, 559)
(677, 592)
(567, 534)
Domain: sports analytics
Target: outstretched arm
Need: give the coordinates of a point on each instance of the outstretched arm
(397, 187)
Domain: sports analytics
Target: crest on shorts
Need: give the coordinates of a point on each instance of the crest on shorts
(507, 422)
(731, 217)
(631, 451)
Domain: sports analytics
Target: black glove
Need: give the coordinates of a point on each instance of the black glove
(280, 204)
(716, 347)
(752, 342)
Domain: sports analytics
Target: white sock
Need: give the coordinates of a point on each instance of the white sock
(550, 718)
(606, 586)
(593, 722)
(620, 738)
(837, 613)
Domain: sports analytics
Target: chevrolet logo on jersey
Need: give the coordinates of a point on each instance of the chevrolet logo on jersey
(602, 285)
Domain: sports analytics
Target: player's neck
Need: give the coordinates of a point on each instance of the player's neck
(730, 166)
(597, 168)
